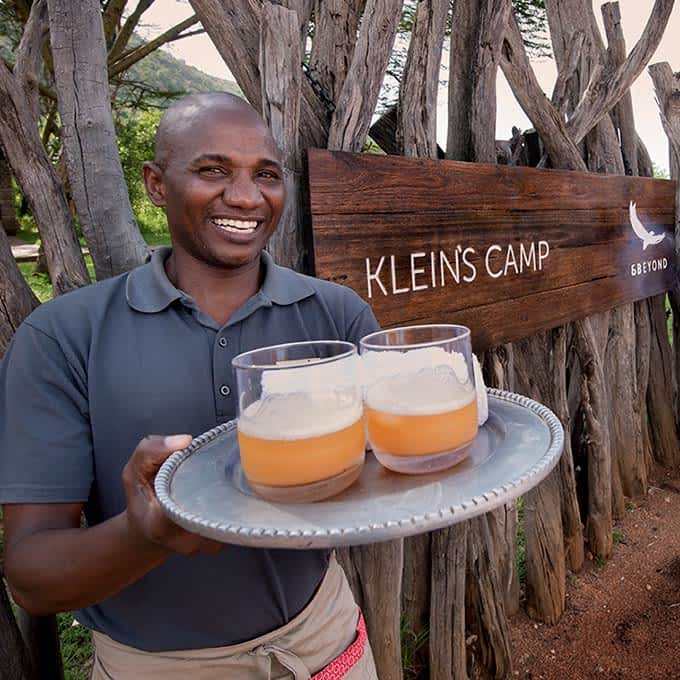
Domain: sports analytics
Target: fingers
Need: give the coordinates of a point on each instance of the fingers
(152, 451)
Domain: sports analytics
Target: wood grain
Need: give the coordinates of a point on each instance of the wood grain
(367, 207)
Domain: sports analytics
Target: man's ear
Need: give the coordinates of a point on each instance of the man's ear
(153, 181)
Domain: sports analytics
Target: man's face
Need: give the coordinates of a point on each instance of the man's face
(222, 187)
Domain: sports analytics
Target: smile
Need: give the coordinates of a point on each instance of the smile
(236, 226)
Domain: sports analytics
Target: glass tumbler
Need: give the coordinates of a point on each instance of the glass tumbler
(300, 419)
(419, 396)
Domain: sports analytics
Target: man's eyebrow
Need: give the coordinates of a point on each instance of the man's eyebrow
(221, 158)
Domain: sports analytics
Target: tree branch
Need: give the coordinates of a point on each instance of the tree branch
(123, 37)
(234, 28)
(566, 73)
(545, 117)
(113, 13)
(600, 97)
(27, 64)
(357, 100)
(44, 90)
(132, 57)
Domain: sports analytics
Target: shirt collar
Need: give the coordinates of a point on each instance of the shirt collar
(149, 290)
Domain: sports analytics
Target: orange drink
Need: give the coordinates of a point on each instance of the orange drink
(420, 397)
(301, 429)
(421, 435)
(296, 439)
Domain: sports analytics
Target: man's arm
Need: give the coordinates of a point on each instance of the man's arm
(52, 564)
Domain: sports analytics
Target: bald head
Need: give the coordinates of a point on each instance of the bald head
(194, 112)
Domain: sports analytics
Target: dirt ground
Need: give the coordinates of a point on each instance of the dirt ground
(622, 620)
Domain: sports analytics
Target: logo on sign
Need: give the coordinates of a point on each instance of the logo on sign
(648, 238)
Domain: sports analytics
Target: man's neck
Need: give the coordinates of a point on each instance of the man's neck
(218, 292)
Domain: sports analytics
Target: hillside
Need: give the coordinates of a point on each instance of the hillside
(165, 73)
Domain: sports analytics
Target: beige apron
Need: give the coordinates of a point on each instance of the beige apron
(325, 640)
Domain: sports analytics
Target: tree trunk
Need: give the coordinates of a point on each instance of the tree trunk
(17, 300)
(280, 70)
(594, 402)
(42, 640)
(89, 137)
(40, 186)
(417, 109)
(540, 374)
(476, 40)
(234, 28)
(374, 573)
(8, 214)
(14, 659)
(335, 34)
(448, 649)
(663, 429)
(359, 94)
(667, 87)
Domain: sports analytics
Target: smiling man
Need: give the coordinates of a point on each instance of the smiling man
(94, 390)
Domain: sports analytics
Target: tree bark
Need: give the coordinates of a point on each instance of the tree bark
(540, 363)
(17, 300)
(335, 35)
(280, 60)
(41, 187)
(601, 96)
(448, 650)
(359, 94)
(14, 658)
(417, 110)
(545, 118)
(42, 640)
(599, 526)
(623, 111)
(667, 88)
(8, 213)
(234, 28)
(374, 573)
(89, 138)
(485, 610)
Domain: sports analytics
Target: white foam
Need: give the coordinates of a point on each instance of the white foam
(482, 397)
(300, 415)
(428, 391)
(341, 374)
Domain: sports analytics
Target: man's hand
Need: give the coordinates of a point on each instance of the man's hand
(145, 516)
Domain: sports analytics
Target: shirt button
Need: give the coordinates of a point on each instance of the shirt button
(225, 391)
(222, 342)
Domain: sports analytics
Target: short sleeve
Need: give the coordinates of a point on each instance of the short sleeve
(45, 435)
(363, 324)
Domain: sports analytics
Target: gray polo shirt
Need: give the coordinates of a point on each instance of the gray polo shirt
(90, 373)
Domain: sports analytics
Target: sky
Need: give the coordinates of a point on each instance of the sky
(200, 52)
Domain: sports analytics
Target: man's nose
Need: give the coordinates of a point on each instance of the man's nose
(242, 191)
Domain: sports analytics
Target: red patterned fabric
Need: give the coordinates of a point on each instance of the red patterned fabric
(339, 667)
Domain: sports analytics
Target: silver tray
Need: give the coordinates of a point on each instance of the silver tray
(202, 487)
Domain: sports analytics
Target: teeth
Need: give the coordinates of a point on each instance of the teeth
(236, 225)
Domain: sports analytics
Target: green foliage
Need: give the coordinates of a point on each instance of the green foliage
(617, 536)
(600, 561)
(411, 643)
(156, 80)
(659, 171)
(630, 505)
(76, 648)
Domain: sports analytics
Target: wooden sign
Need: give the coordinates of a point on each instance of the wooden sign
(506, 251)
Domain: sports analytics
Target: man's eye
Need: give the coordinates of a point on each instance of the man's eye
(211, 171)
(268, 174)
